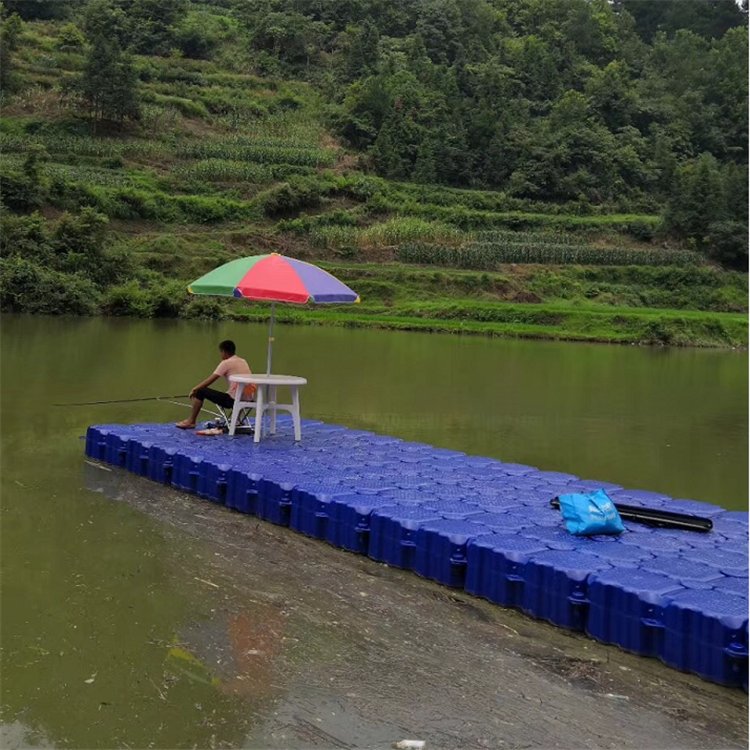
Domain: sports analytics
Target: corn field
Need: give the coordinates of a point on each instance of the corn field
(333, 237)
(226, 170)
(92, 175)
(306, 157)
(487, 256)
(387, 234)
(407, 229)
(541, 237)
(471, 219)
(102, 148)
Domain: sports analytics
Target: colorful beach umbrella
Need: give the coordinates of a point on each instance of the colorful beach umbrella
(273, 278)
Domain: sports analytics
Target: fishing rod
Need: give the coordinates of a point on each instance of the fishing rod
(122, 400)
(165, 399)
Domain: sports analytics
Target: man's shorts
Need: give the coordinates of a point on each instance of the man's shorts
(216, 397)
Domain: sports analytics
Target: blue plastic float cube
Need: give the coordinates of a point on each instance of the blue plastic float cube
(275, 501)
(732, 585)
(657, 540)
(445, 454)
(441, 550)
(116, 451)
(689, 573)
(695, 507)
(517, 470)
(213, 481)
(161, 464)
(349, 520)
(499, 504)
(500, 523)
(243, 490)
(556, 587)
(619, 555)
(495, 566)
(593, 484)
(555, 538)
(310, 508)
(727, 562)
(627, 608)
(186, 473)
(706, 633)
(392, 533)
(644, 498)
(96, 443)
(556, 477)
(405, 497)
(452, 509)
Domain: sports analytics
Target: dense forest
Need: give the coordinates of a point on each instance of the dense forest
(595, 124)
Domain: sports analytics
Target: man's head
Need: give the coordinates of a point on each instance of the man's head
(227, 349)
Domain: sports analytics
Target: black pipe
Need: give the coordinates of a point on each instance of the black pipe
(664, 519)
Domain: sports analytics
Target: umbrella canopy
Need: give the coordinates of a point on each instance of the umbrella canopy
(273, 278)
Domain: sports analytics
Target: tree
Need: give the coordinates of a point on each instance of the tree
(107, 85)
(152, 24)
(43, 10)
(10, 30)
(70, 39)
(726, 243)
(290, 37)
(362, 53)
(708, 18)
(697, 199)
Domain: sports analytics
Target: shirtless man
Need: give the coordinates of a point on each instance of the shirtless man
(230, 364)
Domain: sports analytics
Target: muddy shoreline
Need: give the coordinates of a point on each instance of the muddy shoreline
(327, 649)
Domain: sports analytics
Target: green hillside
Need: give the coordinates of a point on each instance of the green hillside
(511, 168)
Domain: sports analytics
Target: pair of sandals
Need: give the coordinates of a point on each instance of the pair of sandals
(185, 425)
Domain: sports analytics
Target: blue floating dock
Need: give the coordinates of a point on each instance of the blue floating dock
(477, 524)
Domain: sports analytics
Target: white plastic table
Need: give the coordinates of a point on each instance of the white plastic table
(265, 401)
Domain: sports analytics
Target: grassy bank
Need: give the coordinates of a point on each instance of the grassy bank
(572, 303)
(617, 326)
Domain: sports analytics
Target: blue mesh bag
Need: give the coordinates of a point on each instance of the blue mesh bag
(590, 513)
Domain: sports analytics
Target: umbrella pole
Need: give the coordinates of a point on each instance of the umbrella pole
(270, 338)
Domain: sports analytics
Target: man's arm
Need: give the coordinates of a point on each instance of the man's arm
(204, 384)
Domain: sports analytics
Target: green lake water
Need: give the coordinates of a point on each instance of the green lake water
(92, 596)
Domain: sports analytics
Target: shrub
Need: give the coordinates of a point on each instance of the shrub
(195, 40)
(70, 38)
(377, 290)
(25, 237)
(208, 308)
(30, 288)
(20, 193)
(127, 299)
(204, 209)
(289, 198)
(184, 106)
(169, 299)
(727, 244)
